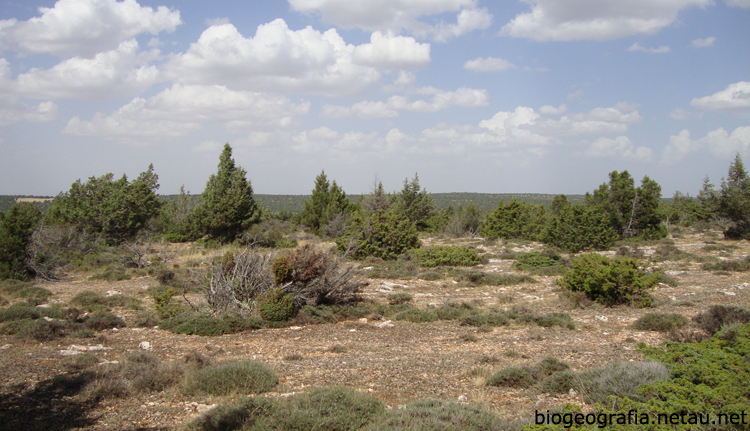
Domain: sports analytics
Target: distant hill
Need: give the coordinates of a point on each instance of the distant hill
(295, 203)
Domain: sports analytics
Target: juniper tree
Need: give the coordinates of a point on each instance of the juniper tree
(114, 209)
(228, 206)
(16, 227)
(326, 203)
(414, 203)
(734, 200)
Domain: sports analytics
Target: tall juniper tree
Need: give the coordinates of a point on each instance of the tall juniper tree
(228, 206)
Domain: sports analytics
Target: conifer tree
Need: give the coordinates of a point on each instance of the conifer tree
(228, 206)
(414, 203)
(734, 200)
(327, 201)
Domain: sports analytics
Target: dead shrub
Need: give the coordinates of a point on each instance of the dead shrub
(234, 281)
(315, 277)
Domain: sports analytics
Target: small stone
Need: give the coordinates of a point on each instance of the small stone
(729, 293)
(602, 318)
(145, 345)
(112, 292)
(572, 392)
(386, 324)
(462, 399)
(295, 328)
(363, 320)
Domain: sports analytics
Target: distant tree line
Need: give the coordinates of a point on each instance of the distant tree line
(109, 212)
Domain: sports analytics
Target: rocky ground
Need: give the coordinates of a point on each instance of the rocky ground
(397, 361)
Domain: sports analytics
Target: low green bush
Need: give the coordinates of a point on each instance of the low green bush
(562, 320)
(276, 305)
(737, 265)
(454, 310)
(534, 260)
(429, 415)
(526, 376)
(718, 316)
(609, 281)
(479, 278)
(101, 320)
(241, 377)
(660, 322)
(399, 298)
(416, 315)
(443, 255)
(196, 324)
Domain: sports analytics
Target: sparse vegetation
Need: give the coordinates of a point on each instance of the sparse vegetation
(241, 377)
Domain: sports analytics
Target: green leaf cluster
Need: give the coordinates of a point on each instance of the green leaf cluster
(516, 220)
(16, 228)
(114, 209)
(383, 234)
(228, 206)
(326, 202)
(609, 281)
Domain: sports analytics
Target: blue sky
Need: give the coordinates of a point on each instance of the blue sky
(535, 96)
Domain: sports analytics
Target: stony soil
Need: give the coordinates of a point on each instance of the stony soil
(397, 364)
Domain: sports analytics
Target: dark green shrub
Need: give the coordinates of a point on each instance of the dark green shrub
(514, 377)
(719, 315)
(608, 281)
(518, 220)
(534, 260)
(381, 234)
(619, 379)
(454, 310)
(469, 338)
(163, 303)
(35, 295)
(399, 298)
(432, 415)
(192, 324)
(334, 409)
(440, 255)
(20, 311)
(238, 416)
(738, 265)
(430, 276)
(245, 377)
(101, 320)
(578, 227)
(416, 315)
(16, 229)
(479, 278)
(276, 305)
(116, 274)
(562, 320)
(146, 320)
(660, 322)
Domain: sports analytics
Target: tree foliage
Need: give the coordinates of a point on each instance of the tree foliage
(16, 228)
(516, 220)
(414, 203)
(228, 206)
(631, 211)
(734, 200)
(114, 209)
(383, 234)
(577, 227)
(328, 201)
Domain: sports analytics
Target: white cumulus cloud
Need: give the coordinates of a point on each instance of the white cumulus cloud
(637, 47)
(489, 64)
(182, 109)
(393, 52)
(718, 142)
(621, 147)
(86, 27)
(595, 19)
(117, 73)
(703, 43)
(441, 99)
(734, 99)
(276, 59)
(399, 15)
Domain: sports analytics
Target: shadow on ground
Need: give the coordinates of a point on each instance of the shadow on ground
(50, 405)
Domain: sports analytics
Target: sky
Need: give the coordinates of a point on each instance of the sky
(529, 96)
